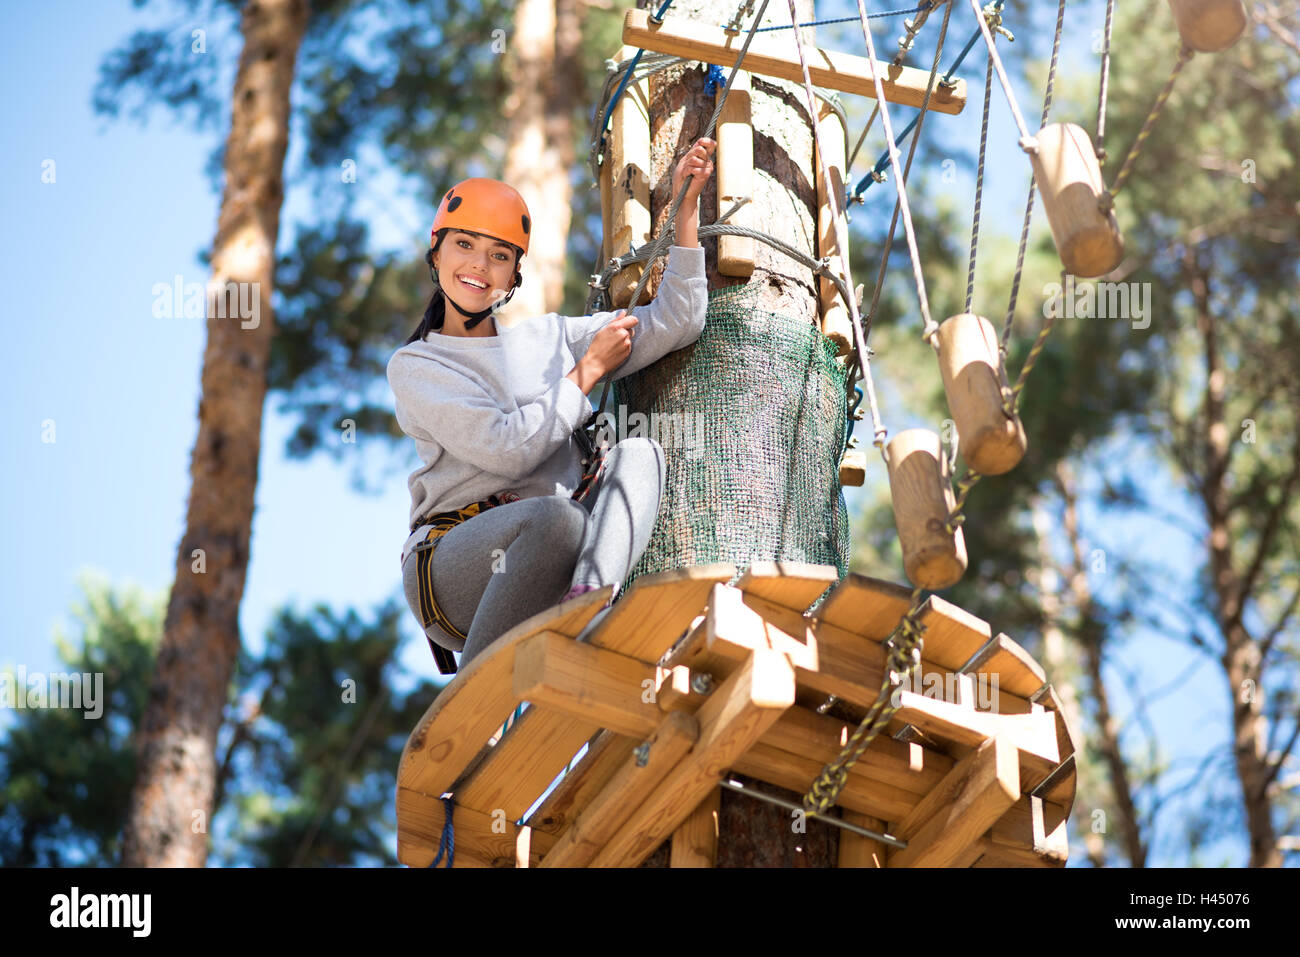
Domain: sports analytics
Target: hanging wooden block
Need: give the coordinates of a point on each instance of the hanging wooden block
(1069, 180)
(629, 160)
(853, 467)
(923, 498)
(991, 442)
(1209, 26)
(835, 320)
(735, 166)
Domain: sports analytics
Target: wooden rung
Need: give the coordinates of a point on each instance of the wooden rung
(976, 792)
(836, 323)
(853, 468)
(695, 842)
(735, 166)
(624, 791)
(795, 585)
(734, 717)
(481, 839)
(921, 490)
(477, 701)
(778, 57)
(629, 170)
(658, 609)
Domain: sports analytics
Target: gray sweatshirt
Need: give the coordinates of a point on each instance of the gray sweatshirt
(494, 414)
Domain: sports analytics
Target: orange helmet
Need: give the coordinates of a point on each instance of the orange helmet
(486, 206)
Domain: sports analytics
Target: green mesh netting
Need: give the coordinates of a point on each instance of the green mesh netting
(760, 481)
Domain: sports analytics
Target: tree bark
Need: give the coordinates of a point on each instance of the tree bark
(1091, 636)
(751, 833)
(544, 67)
(171, 802)
(1241, 659)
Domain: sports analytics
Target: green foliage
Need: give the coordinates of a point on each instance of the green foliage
(307, 753)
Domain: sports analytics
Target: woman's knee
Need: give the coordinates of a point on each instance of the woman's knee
(563, 520)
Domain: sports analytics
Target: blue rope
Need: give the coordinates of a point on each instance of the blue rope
(448, 842)
(870, 16)
(876, 171)
(609, 109)
(714, 79)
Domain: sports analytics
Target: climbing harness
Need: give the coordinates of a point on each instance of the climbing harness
(440, 523)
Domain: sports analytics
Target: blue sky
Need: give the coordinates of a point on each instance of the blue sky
(130, 208)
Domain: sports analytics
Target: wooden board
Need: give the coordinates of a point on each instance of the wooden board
(774, 56)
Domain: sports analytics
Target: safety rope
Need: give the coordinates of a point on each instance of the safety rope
(1108, 196)
(1099, 142)
(979, 186)
(447, 844)
(874, 16)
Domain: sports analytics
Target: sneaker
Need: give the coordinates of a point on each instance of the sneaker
(577, 590)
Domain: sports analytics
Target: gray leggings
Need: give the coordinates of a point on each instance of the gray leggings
(511, 562)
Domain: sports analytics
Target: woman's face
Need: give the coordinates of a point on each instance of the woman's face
(479, 268)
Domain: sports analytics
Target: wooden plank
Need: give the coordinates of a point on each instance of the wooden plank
(642, 624)
(629, 158)
(625, 791)
(590, 684)
(865, 606)
(735, 165)
(796, 585)
(695, 842)
(521, 767)
(480, 838)
(970, 799)
(952, 634)
(1034, 735)
(605, 753)
(1015, 668)
(797, 773)
(732, 719)
(858, 850)
(476, 702)
(775, 56)
(658, 609)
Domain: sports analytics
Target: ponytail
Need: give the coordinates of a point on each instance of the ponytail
(437, 311)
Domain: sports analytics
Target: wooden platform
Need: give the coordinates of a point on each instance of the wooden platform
(687, 679)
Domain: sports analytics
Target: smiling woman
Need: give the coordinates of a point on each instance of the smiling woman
(501, 522)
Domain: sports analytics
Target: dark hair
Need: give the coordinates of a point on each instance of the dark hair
(436, 314)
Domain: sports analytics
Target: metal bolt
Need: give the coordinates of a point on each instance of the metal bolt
(701, 683)
(642, 752)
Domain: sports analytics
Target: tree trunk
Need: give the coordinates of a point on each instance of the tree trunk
(171, 803)
(767, 486)
(540, 143)
(1091, 637)
(1242, 661)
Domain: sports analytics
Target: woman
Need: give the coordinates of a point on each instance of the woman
(496, 533)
